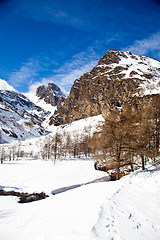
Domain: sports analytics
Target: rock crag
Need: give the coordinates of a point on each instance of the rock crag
(51, 94)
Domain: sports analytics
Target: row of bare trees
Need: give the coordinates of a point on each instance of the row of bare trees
(11, 152)
(64, 145)
(54, 146)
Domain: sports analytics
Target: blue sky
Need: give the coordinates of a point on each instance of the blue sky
(57, 41)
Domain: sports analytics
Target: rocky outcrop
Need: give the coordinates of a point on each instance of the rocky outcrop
(116, 76)
(51, 94)
(24, 197)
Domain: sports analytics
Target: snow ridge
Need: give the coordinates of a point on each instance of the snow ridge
(5, 86)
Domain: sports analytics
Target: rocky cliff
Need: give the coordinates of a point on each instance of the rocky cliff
(51, 94)
(117, 75)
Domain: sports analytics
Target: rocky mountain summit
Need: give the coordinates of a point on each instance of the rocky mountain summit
(51, 94)
(116, 75)
(19, 117)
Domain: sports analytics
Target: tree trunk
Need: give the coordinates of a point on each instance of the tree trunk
(118, 172)
(118, 154)
(143, 162)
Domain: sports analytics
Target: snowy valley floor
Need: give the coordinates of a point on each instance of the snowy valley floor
(128, 209)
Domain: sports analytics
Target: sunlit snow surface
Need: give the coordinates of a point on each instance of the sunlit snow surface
(5, 86)
(121, 210)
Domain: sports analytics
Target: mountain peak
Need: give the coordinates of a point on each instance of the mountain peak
(52, 88)
(113, 56)
(109, 57)
(51, 93)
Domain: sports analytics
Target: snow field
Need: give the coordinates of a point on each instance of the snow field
(132, 211)
(69, 215)
(120, 210)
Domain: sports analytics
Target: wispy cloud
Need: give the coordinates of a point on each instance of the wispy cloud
(25, 74)
(42, 70)
(146, 45)
(84, 15)
(70, 71)
(60, 12)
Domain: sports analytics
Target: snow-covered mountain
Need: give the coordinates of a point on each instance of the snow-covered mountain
(82, 207)
(46, 96)
(50, 93)
(144, 70)
(117, 73)
(19, 117)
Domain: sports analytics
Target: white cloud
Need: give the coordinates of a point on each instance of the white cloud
(142, 47)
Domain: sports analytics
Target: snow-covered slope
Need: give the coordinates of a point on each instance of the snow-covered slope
(131, 208)
(19, 117)
(121, 210)
(40, 102)
(5, 86)
(79, 127)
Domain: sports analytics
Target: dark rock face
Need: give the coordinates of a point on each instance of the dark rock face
(117, 74)
(51, 94)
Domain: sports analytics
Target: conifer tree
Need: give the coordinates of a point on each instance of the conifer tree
(129, 132)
